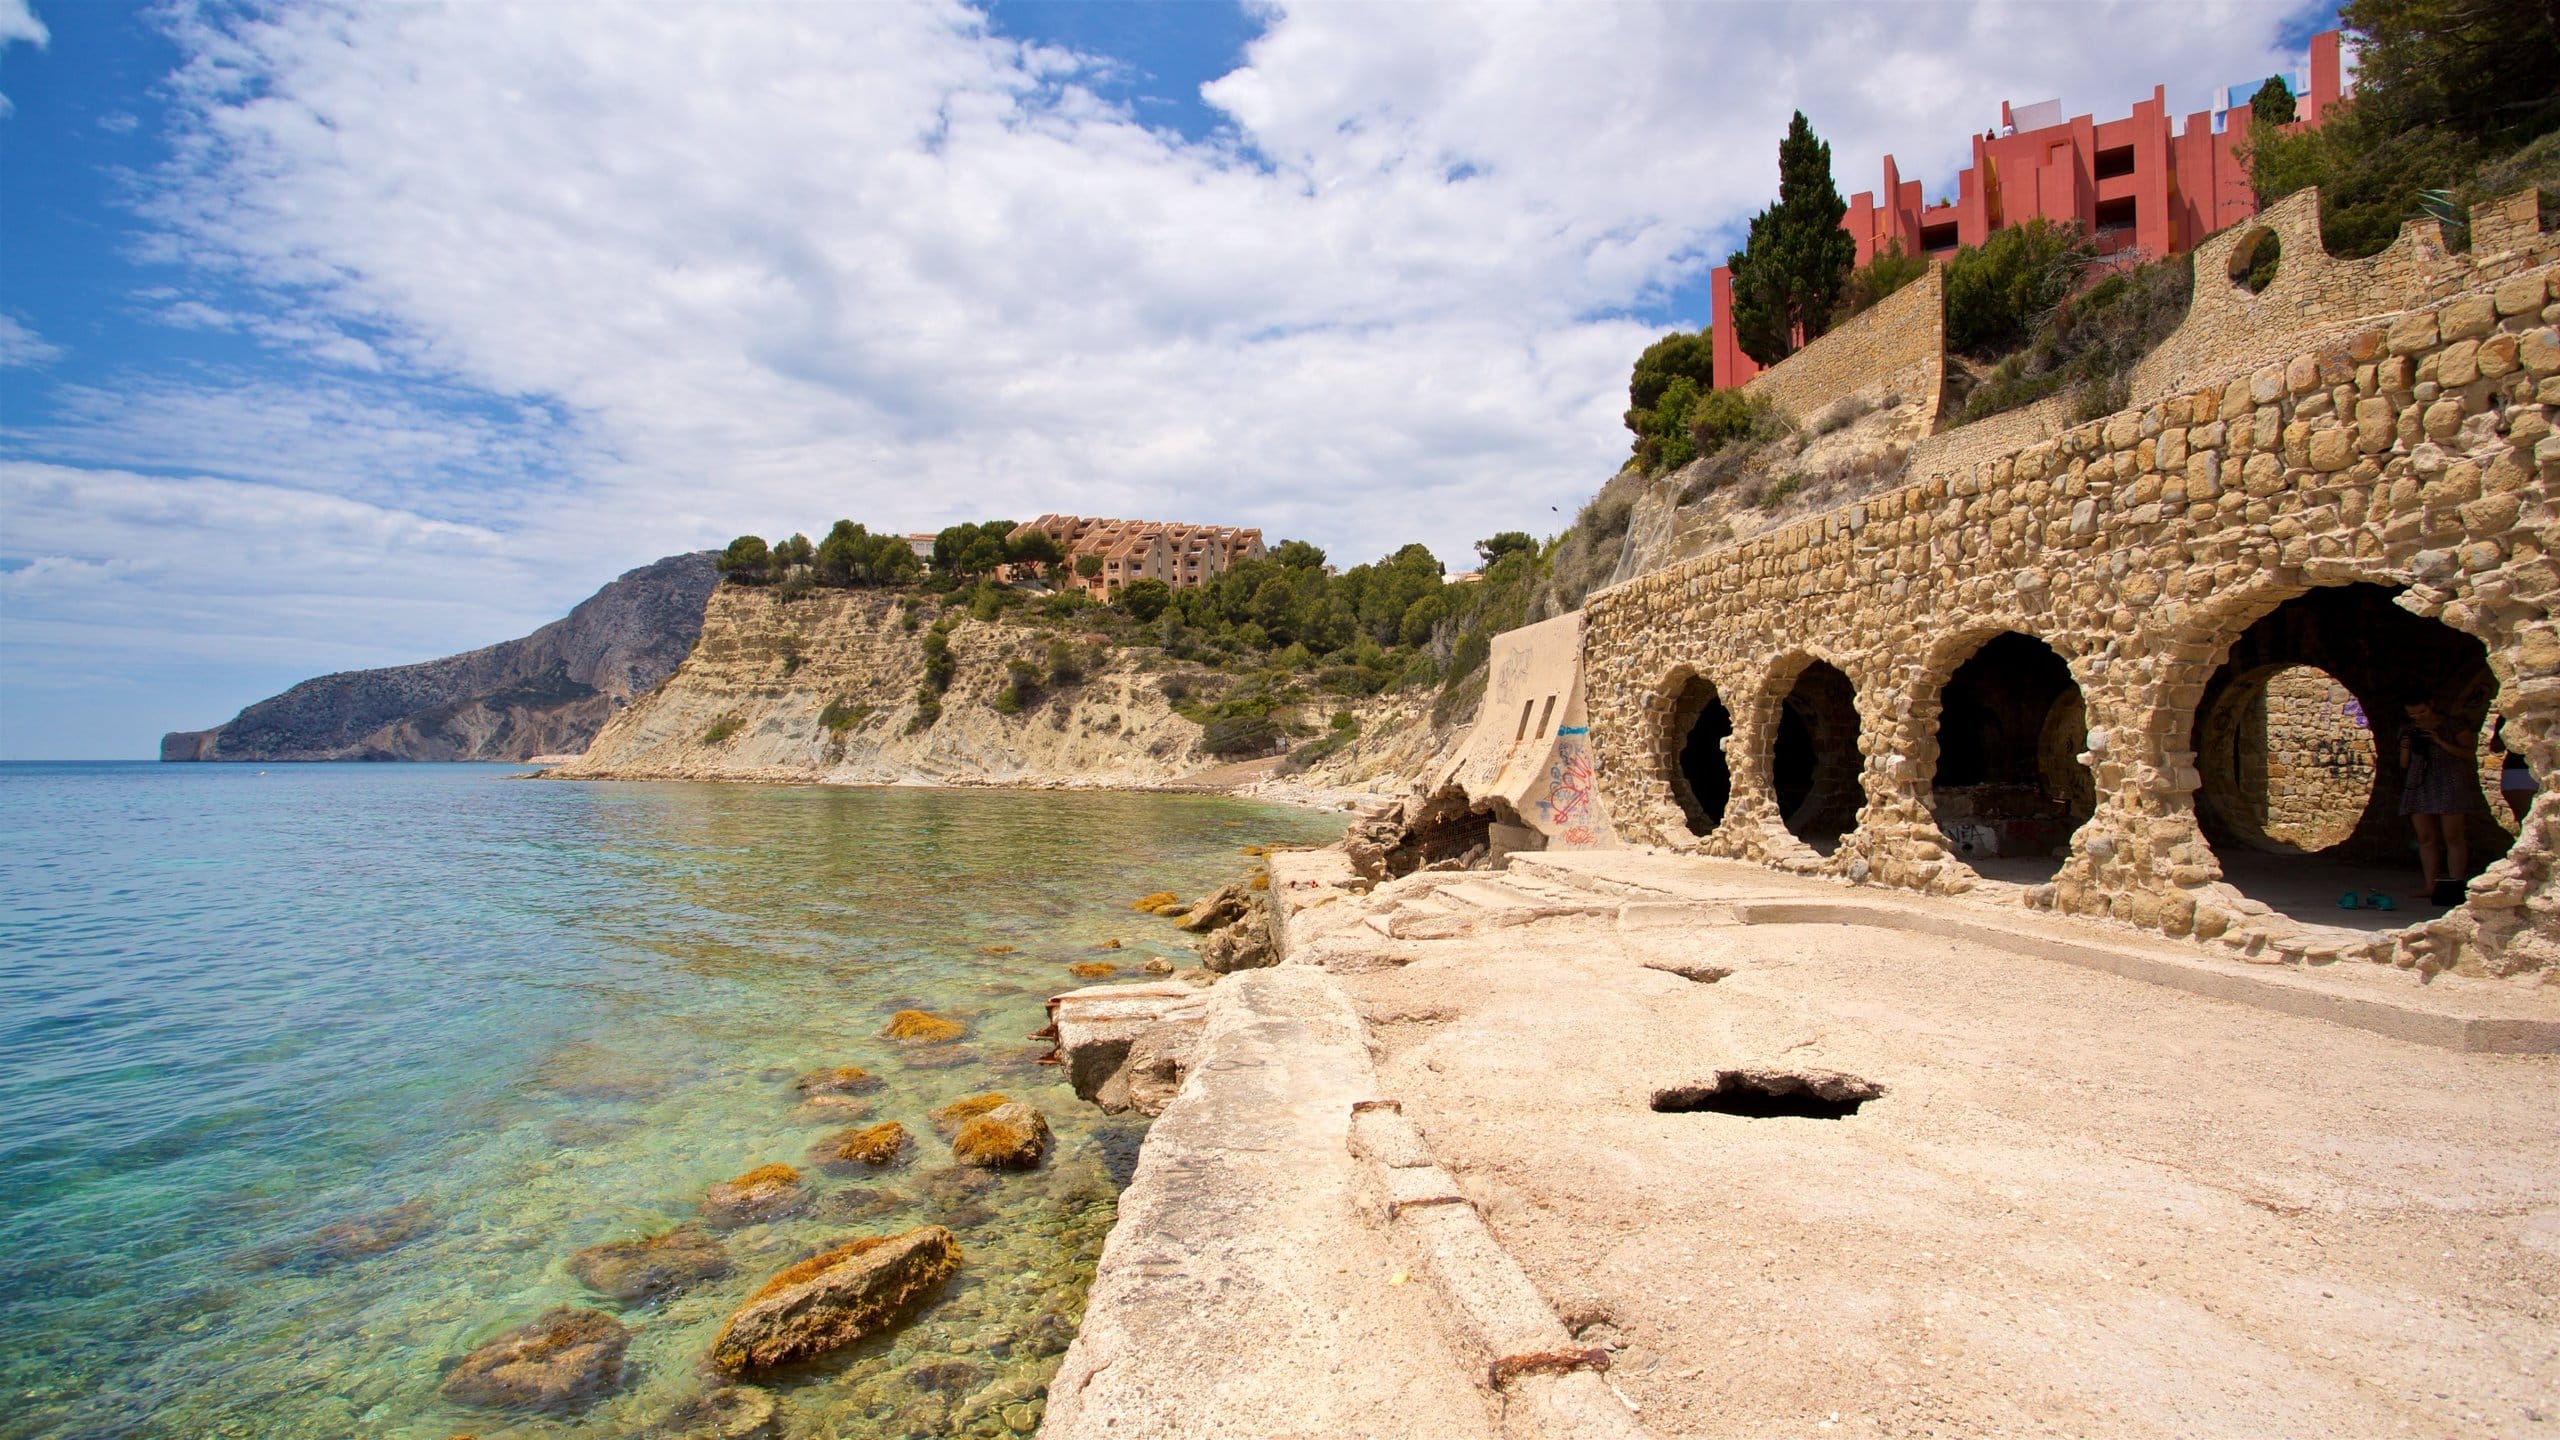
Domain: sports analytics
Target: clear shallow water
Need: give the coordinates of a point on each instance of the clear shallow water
(236, 1008)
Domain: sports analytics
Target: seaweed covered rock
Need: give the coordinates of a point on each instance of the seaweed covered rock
(948, 1119)
(1011, 1136)
(919, 1027)
(837, 1080)
(561, 1361)
(1093, 970)
(768, 1192)
(877, 1146)
(1156, 903)
(633, 1270)
(835, 1299)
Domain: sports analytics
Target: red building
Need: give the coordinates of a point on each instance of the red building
(2135, 184)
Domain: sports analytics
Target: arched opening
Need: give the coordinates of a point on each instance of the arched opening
(1814, 768)
(2009, 789)
(1700, 781)
(2254, 260)
(2298, 746)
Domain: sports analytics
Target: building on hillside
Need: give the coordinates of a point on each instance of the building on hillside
(922, 544)
(1130, 550)
(2138, 186)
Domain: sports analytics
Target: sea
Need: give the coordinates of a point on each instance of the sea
(314, 1077)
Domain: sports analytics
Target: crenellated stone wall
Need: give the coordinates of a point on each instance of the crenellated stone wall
(2413, 450)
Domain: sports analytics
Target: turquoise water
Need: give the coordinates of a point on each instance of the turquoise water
(238, 1007)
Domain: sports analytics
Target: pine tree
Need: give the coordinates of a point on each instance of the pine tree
(1787, 279)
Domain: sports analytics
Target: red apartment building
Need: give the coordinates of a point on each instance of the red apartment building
(1179, 555)
(2135, 184)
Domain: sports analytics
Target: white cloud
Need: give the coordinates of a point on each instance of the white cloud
(18, 24)
(769, 265)
(22, 347)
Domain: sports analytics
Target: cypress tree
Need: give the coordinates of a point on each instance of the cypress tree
(1787, 279)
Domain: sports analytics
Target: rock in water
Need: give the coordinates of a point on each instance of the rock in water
(832, 1300)
(948, 1120)
(917, 1027)
(1222, 907)
(1155, 903)
(631, 1270)
(877, 1146)
(837, 1080)
(358, 1237)
(1093, 970)
(767, 1192)
(560, 1361)
(1245, 945)
(1009, 1137)
(732, 1412)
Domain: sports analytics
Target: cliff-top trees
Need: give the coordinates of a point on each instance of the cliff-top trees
(746, 561)
(1787, 279)
(1668, 379)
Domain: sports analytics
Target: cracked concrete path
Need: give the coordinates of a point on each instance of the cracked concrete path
(2085, 1205)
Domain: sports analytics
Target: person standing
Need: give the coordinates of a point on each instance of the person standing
(2435, 793)
(2515, 778)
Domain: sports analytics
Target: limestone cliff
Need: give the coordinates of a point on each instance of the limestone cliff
(753, 702)
(546, 693)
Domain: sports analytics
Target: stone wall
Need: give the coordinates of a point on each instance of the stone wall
(2415, 451)
(1896, 347)
(2314, 753)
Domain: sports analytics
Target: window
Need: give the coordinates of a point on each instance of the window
(1934, 238)
(2112, 162)
(1546, 715)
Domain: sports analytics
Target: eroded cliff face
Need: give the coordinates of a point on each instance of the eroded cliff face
(751, 702)
(547, 693)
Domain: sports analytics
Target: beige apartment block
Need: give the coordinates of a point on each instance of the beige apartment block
(1180, 555)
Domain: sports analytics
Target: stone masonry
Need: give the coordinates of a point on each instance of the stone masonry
(2412, 449)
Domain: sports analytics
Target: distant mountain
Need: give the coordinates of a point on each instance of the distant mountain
(547, 693)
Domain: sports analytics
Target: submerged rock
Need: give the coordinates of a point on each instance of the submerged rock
(358, 1237)
(588, 1071)
(1093, 970)
(837, 1080)
(563, 1360)
(829, 1110)
(834, 1299)
(1155, 904)
(877, 1146)
(919, 1027)
(732, 1412)
(767, 1192)
(995, 949)
(948, 1119)
(858, 1202)
(1010, 1137)
(632, 1270)
(1157, 965)
(1111, 944)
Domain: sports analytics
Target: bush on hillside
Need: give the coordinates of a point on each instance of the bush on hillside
(1889, 271)
(2090, 343)
(1998, 292)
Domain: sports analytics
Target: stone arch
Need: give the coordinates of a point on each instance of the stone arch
(1696, 726)
(2384, 653)
(1808, 751)
(2256, 257)
(1999, 723)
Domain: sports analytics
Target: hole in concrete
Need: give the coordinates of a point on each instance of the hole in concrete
(1771, 1095)
(2009, 789)
(1700, 781)
(1698, 971)
(1815, 767)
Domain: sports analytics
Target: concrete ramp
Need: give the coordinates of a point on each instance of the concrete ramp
(1531, 745)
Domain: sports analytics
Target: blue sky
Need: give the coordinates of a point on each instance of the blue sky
(345, 335)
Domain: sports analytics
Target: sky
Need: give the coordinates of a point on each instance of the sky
(343, 335)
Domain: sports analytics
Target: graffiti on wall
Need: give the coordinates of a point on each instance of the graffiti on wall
(1571, 813)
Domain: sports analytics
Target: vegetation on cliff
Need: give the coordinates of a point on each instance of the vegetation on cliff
(1788, 277)
(2456, 101)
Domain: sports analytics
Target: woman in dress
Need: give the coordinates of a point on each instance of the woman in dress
(2436, 795)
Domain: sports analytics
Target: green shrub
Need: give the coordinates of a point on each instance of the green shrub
(939, 662)
(721, 730)
(2091, 342)
(928, 709)
(746, 561)
(1889, 271)
(1021, 686)
(1779, 489)
(1144, 600)
(1239, 735)
(1066, 666)
(1998, 292)
(1733, 417)
(843, 715)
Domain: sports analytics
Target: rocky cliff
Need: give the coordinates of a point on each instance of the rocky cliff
(823, 688)
(546, 693)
